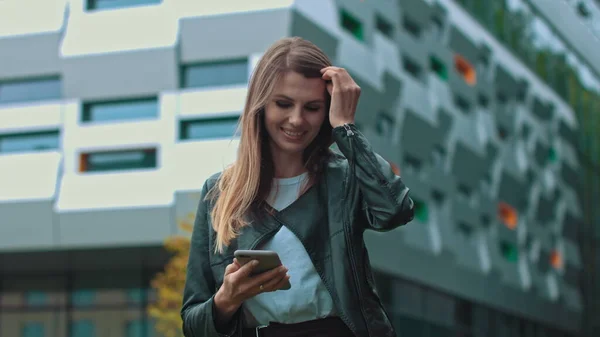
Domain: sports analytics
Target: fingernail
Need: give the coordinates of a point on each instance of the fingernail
(254, 263)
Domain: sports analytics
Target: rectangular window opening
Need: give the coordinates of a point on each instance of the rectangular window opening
(384, 124)
(118, 160)
(421, 210)
(411, 27)
(465, 229)
(122, 110)
(116, 4)
(209, 128)
(509, 251)
(33, 329)
(215, 74)
(438, 67)
(30, 90)
(462, 104)
(412, 68)
(384, 26)
(29, 141)
(352, 25)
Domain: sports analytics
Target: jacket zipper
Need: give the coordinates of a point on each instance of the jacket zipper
(346, 225)
(349, 133)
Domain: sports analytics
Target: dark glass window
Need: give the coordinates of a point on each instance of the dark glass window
(352, 25)
(139, 327)
(118, 160)
(120, 110)
(83, 297)
(209, 128)
(36, 298)
(33, 329)
(30, 90)
(83, 328)
(115, 4)
(215, 74)
(30, 141)
(384, 26)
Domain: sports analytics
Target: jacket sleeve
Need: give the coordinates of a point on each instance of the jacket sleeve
(198, 311)
(386, 198)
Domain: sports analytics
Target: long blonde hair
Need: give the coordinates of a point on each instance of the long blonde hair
(243, 187)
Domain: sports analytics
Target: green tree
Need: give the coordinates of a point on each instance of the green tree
(170, 282)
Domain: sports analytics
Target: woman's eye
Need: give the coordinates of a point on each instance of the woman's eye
(313, 108)
(282, 104)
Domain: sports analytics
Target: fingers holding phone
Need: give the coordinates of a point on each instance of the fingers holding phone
(248, 276)
(271, 280)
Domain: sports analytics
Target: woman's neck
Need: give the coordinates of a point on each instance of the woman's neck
(288, 166)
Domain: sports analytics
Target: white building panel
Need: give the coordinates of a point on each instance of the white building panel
(194, 162)
(191, 8)
(114, 190)
(29, 176)
(127, 29)
(211, 102)
(31, 117)
(18, 18)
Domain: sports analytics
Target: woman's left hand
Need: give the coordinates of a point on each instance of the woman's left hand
(344, 95)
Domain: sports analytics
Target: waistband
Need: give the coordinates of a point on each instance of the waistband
(329, 326)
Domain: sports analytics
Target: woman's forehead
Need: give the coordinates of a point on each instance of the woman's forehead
(298, 87)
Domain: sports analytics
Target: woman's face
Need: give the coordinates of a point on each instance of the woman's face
(294, 113)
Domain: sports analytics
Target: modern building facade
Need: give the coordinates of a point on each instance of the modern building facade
(114, 112)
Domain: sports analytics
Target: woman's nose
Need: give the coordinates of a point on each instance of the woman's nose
(296, 117)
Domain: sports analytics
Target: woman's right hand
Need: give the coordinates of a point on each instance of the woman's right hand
(239, 285)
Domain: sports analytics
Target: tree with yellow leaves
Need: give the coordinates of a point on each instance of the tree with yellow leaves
(169, 283)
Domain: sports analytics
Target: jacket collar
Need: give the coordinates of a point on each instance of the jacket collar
(306, 217)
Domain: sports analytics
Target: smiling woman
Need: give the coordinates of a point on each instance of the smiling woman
(287, 193)
(293, 119)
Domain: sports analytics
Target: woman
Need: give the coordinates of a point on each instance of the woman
(288, 192)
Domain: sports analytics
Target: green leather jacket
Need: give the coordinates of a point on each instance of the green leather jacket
(359, 191)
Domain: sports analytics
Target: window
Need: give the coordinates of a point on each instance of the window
(28, 142)
(352, 25)
(30, 90)
(114, 4)
(412, 67)
(208, 128)
(139, 328)
(384, 26)
(83, 328)
(556, 259)
(421, 211)
(552, 157)
(36, 298)
(465, 69)
(508, 215)
(411, 27)
(83, 298)
(118, 160)
(33, 329)
(509, 251)
(210, 74)
(136, 295)
(384, 124)
(438, 67)
(120, 110)
(462, 104)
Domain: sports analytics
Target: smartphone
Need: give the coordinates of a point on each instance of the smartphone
(267, 260)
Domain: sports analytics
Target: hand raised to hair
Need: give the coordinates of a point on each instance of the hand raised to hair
(344, 95)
